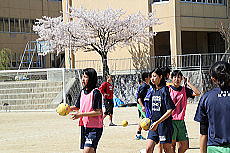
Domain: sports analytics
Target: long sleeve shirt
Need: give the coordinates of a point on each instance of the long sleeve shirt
(107, 90)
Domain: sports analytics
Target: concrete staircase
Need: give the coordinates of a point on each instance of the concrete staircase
(29, 95)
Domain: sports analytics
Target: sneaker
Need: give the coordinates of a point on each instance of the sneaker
(143, 151)
(139, 137)
(111, 124)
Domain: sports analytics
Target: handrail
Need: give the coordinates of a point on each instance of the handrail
(156, 56)
(182, 62)
(30, 70)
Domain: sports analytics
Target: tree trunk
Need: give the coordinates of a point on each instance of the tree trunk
(226, 52)
(105, 66)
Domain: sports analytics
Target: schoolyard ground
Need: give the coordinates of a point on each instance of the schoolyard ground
(47, 132)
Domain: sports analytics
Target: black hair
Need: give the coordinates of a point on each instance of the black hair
(139, 81)
(165, 71)
(176, 73)
(92, 74)
(108, 76)
(144, 75)
(69, 99)
(221, 72)
(159, 72)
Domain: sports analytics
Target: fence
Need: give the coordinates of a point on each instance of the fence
(133, 65)
(43, 88)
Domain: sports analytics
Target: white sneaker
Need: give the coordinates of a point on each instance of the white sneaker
(143, 151)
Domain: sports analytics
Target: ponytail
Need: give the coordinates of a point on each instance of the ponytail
(220, 71)
(159, 72)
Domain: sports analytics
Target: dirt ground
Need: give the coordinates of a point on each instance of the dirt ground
(46, 132)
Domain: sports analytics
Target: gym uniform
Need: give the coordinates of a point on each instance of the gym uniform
(158, 101)
(91, 127)
(141, 93)
(214, 109)
(179, 96)
(107, 91)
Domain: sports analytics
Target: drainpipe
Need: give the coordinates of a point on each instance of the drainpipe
(151, 40)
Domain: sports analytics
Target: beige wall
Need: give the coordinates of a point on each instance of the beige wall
(200, 17)
(129, 6)
(177, 16)
(29, 8)
(24, 9)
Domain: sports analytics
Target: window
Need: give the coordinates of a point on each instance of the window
(32, 24)
(1, 24)
(16, 25)
(206, 1)
(6, 25)
(159, 1)
(221, 1)
(12, 25)
(25, 25)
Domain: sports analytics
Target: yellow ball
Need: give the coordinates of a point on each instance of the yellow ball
(124, 123)
(145, 123)
(63, 109)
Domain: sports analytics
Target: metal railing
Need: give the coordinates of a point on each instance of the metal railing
(133, 65)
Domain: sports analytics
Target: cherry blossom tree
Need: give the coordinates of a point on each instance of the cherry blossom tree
(95, 30)
(224, 30)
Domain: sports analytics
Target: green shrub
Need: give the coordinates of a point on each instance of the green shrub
(4, 58)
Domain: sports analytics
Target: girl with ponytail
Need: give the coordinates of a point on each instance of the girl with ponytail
(213, 112)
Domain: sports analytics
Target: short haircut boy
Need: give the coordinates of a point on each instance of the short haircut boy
(144, 75)
(165, 71)
(176, 73)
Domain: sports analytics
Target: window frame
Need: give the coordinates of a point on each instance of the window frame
(160, 1)
(211, 2)
(16, 25)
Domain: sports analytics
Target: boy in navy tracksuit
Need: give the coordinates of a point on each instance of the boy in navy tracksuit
(141, 93)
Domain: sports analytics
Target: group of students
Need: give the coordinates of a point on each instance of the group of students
(165, 105)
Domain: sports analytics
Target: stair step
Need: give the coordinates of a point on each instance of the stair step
(28, 95)
(28, 84)
(29, 107)
(26, 101)
(30, 90)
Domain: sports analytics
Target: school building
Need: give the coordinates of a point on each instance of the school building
(16, 20)
(188, 26)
